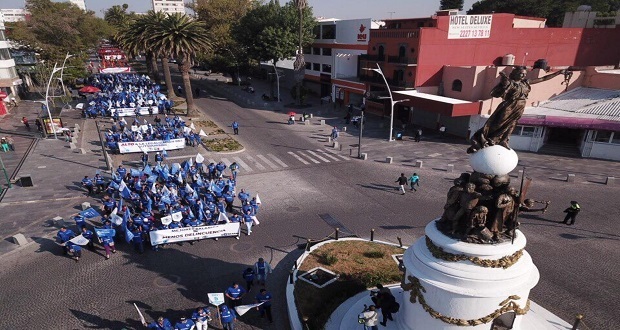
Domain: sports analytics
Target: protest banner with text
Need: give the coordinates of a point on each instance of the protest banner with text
(194, 233)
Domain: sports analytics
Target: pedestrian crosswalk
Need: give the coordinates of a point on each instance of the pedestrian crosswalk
(251, 163)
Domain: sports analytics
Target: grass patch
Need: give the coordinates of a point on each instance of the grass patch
(360, 264)
(225, 144)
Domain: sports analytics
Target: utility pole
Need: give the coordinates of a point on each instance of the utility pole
(391, 12)
(6, 175)
(359, 141)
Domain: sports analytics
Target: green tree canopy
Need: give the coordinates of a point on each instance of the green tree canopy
(269, 32)
(57, 28)
(118, 17)
(451, 4)
(552, 10)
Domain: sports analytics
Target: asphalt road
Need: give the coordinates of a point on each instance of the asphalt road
(43, 289)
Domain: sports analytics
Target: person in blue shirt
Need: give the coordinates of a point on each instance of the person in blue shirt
(247, 207)
(262, 268)
(145, 159)
(254, 205)
(108, 245)
(265, 298)
(211, 168)
(184, 324)
(80, 222)
(228, 317)
(121, 171)
(234, 167)
(99, 183)
(63, 236)
(243, 196)
(138, 241)
(220, 167)
(88, 183)
(159, 158)
(160, 324)
(234, 294)
(75, 249)
(249, 221)
(248, 276)
(229, 197)
(235, 127)
(89, 236)
(201, 317)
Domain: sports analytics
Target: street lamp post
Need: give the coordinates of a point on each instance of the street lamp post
(275, 69)
(64, 92)
(6, 176)
(392, 102)
(47, 92)
(359, 141)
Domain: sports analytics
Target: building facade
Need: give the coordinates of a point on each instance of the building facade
(9, 79)
(332, 61)
(415, 53)
(13, 14)
(169, 6)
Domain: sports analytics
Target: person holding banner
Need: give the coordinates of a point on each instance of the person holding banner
(201, 317)
(228, 317)
(264, 297)
(63, 236)
(89, 236)
(75, 250)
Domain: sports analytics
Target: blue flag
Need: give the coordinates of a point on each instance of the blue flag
(128, 235)
(124, 190)
(90, 213)
(148, 170)
(135, 172)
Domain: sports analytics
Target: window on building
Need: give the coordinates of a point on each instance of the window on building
(328, 31)
(402, 50)
(327, 52)
(316, 51)
(308, 66)
(317, 32)
(603, 136)
(457, 85)
(326, 68)
(381, 51)
(5, 54)
(316, 66)
(521, 130)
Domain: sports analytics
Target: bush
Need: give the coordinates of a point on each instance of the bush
(328, 259)
(374, 254)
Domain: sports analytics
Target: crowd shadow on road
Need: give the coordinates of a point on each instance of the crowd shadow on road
(91, 321)
(74, 162)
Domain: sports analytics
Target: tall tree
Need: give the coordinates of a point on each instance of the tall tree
(451, 4)
(219, 16)
(133, 38)
(300, 63)
(182, 37)
(552, 10)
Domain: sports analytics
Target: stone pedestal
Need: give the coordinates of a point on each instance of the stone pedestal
(464, 290)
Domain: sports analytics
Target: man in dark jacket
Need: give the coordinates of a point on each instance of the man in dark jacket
(402, 181)
(571, 213)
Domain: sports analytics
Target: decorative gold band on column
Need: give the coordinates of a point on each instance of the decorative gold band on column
(503, 262)
(507, 305)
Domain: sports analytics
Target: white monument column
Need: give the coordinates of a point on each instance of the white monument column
(452, 284)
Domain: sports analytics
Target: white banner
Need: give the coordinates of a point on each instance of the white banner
(150, 146)
(80, 240)
(116, 70)
(216, 299)
(245, 308)
(124, 112)
(194, 233)
(469, 26)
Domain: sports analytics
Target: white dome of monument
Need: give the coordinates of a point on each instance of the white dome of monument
(495, 160)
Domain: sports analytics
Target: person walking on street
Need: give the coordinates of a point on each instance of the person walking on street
(248, 276)
(402, 181)
(335, 133)
(39, 125)
(160, 324)
(414, 180)
(235, 126)
(88, 183)
(418, 135)
(265, 298)
(571, 213)
(262, 268)
(384, 300)
(442, 131)
(25, 122)
(228, 317)
(180, 90)
(235, 294)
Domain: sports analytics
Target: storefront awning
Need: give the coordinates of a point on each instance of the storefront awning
(570, 122)
(445, 106)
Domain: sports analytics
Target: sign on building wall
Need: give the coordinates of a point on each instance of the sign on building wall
(469, 26)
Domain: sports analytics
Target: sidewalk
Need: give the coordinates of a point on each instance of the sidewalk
(56, 171)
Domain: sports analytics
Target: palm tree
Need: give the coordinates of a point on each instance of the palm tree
(181, 37)
(133, 38)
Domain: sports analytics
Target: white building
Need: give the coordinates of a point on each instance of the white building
(13, 14)
(584, 17)
(9, 79)
(79, 3)
(169, 6)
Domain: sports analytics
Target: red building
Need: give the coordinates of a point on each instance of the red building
(413, 53)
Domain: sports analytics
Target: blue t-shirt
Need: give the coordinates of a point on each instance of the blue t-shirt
(235, 292)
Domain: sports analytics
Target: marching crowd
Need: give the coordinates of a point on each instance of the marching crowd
(124, 91)
(169, 128)
(135, 201)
